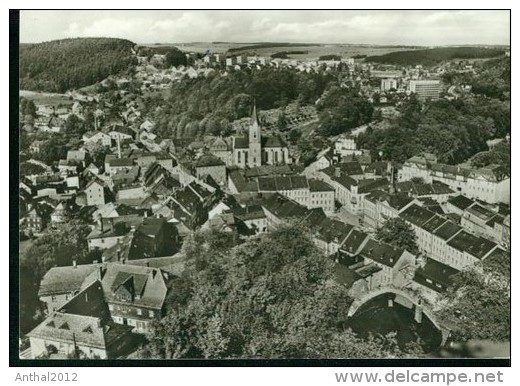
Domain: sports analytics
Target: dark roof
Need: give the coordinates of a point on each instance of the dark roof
(381, 252)
(495, 219)
(475, 246)
(241, 143)
(370, 184)
(277, 183)
(354, 241)
(273, 141)
(380, 168)
(283, 207)
(434, 223)
(437, 272)
(119, 162)
(148, 282)
(250, 212)
(209, 160)
(151, 226)
(349, 168)
(447, 230)
(333, 230)
(461, 202)
(319, 186)
(480, 212)
(268, 170)
(345, 180)
(84, 320)
(417, 215)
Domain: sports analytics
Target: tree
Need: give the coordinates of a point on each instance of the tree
(342, 109)
(395, 231)
(56, 247)
(272, 296)
(477, 305)
(176, 58)
(74, 125)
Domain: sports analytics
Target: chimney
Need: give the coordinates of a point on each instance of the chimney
(148, 264)
(74, 263)
(118, 254)
(100, 273)
(154, 272)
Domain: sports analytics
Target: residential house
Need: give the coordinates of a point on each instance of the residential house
(213, 166)
(488, 184)
(379, 206)
(433, 278)
(394, 263)
(60, 284)
(253, 216)
(95, 193)
(135, 294)
(61, 213)
(97, 137)
(81, 329)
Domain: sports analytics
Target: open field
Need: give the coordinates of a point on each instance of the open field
(45, 98)
(314, 50)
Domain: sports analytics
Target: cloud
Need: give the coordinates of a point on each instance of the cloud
(357, 27)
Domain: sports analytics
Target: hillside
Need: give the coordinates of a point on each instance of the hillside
(61, 65)
(435, 55)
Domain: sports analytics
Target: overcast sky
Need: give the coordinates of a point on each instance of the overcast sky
(356, 27)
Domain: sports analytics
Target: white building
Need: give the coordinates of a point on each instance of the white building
(486, 184)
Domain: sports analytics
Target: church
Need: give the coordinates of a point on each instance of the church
(252, 149)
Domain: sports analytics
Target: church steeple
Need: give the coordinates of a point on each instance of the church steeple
(255, 139)
(254, 117)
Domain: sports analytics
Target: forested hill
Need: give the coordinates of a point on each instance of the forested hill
(61, 65)
(435, 55)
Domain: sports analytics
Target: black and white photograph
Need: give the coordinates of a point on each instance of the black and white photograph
(262, 185)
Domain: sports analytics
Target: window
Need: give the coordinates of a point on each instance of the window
(139, 311)
(111, 307)
(53, 298)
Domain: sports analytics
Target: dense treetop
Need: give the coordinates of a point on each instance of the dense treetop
(61, 65)
(273, 296)
(435, 55)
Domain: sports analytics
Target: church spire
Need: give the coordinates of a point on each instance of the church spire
(254, 116)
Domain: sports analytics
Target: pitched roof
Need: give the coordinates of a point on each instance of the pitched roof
(381, 252)
(61, 280)
(354, 241)
(120, 162)
(461, 202)
(84, 320)
(436, 272)
(250, 212)
(146, 285)
(273, 141)
(475, 246)
(319, 186)
(209, 160)
(434, 223)
(283, 207)
(447, 230)
(241, 143)
(417, 215)
(333, 230)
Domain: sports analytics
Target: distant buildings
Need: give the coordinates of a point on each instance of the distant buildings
(426, 89)
(388, 84)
